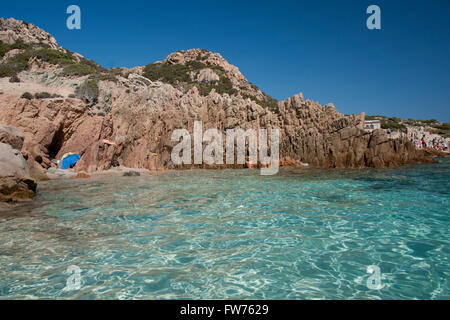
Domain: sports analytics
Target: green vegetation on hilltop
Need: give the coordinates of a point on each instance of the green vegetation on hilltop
(6, 47)
(268, 102)
(88, 90)
(395, 123)
(71, 65)
(443, 130)
(164, 72)
(179, 76)
(52, 56)
(14, 65)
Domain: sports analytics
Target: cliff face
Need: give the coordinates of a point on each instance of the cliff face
(136, 111)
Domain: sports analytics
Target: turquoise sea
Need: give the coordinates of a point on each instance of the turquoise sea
(233, 234)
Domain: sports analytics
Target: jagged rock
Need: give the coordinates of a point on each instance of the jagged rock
(139, 80)
(139, 116)
(207, 75)
(11, 136)
(12, 30)
(15, 181)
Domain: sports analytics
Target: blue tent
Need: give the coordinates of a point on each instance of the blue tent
(69, 160)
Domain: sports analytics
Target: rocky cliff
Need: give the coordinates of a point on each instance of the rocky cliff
(126, 116)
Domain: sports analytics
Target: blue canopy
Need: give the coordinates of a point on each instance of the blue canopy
(68, 161)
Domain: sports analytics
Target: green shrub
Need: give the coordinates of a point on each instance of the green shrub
(88, 67)
(172, 74)
(6, 47)
(443, 130)
(116, 71)
(5, 71)
(225, 86)
(178, 75)
(14, 79)
(431, 121)
(66, 60)
(14, 65)
(19, 62)
(270, 103)
(42, 95)
(389, 124)
(88, 91)
(444, 126)
(395, 119)
(108, 76)
(77, 70)
(27, 95)
(53, 56)
(197, 65)
(93, 65)
(375, 117)
(267, 103)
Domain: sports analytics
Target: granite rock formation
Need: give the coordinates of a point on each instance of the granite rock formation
(131, 120)
(12, 30)
(11, 136)
(15, 181)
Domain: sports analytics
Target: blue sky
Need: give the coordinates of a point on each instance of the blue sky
(321, 48)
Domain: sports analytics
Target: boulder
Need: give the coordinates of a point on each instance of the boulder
(15, 181)
(12, 136)
(131, 174)
(207, 75)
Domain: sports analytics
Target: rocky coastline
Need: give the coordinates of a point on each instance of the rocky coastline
(125, 117)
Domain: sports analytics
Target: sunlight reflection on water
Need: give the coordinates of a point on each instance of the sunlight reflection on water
(233, 234)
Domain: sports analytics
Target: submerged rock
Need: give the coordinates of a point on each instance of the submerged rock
(131, 174)
(54, 173)
(81, 175)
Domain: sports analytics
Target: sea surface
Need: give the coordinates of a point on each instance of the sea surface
(233, 234)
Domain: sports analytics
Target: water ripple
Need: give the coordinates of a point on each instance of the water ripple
(233, 234)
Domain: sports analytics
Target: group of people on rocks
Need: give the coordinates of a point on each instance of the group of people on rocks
(437, 143)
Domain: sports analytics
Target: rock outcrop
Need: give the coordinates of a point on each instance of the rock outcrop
(12, 30)
(11, 136)
(133, 118)
(15, 181)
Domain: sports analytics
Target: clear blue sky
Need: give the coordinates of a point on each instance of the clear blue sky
(321, 48)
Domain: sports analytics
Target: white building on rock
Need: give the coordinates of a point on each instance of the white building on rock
(370, 125)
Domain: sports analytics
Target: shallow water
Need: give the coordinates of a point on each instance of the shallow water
(233, 234)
